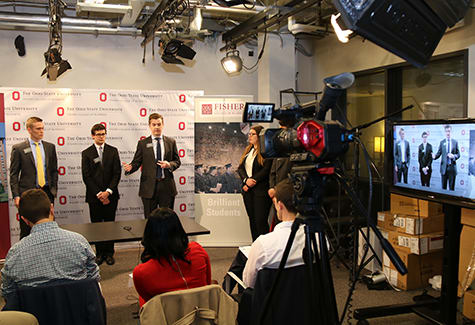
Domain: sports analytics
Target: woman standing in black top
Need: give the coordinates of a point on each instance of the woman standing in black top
(254, 171)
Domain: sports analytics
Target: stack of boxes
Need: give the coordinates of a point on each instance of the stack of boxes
(415, 229)
(467, 263)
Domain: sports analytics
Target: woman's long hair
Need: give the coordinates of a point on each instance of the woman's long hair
(164, 237)
(260, 159)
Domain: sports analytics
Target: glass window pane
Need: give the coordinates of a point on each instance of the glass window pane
(437, 92)
(365, 103)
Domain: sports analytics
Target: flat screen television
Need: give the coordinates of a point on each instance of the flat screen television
(435, 160)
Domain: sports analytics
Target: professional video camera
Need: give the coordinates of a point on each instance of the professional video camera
(307, 131)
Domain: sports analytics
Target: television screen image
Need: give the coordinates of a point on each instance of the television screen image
(435, 156)
(258, 112)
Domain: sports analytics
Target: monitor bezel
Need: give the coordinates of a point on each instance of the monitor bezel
(418, 193)
(246, 107)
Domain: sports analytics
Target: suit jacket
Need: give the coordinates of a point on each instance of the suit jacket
(425, 158)
(279, 170)
(259, 173)
(145, 157)
(23, 174)
(99, 177)
(398, 153)
(442, 153)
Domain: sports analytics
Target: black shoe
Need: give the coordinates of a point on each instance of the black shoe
(99, 260)
(110, 260)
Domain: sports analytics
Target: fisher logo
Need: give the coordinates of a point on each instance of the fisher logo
(16, 95)
(182, 180)
(60, 141)
(60, 111)
(16, 126)
(143, 112)
(182, 207)
(62, 200)
(103, 97)
(181, 126)
(206, 109)
(61, 171)
(182, 98)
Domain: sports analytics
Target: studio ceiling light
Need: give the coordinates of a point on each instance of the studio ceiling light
(232, 62)
(175, 48)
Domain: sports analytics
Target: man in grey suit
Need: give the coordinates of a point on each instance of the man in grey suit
(158, 156)
(26, 156)
(402, 157)
(449, 153)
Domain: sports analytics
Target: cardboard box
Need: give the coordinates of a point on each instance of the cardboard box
(414, 207)
(467, 251)
(468, 217)
(420, 269)
(373, 265)
(412, 225)
(416, 244)
(469, 305)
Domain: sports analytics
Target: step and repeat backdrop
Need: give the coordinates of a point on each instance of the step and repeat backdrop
(69, 114)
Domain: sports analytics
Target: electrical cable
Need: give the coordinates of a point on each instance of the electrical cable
(260, 54)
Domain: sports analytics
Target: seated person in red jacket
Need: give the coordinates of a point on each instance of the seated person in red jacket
(169, 261)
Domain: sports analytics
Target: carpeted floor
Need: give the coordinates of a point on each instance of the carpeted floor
(122, 299)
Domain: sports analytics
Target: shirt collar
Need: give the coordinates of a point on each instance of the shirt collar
(97, 147)
(284, 224)
(44, 226)
(154, 137)
(33, 142)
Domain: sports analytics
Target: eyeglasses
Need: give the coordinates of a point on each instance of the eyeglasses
(251, 134)
(100, 134)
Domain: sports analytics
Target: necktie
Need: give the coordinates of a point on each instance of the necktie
(448, 151)
(39, 166)
(100, 153)
(159, 157)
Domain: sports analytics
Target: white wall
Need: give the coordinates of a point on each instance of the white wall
(332, 57)
(115, 62)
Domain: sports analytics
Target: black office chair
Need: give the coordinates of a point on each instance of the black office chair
(62, 303)
(291, 303)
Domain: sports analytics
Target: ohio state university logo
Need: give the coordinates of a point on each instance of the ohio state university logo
(16, 95)
(143, 112)
(16, 126)
(182, 98)
(206, 109)
(182, 180)
(102, 97)
(60, 111)
(182, 207)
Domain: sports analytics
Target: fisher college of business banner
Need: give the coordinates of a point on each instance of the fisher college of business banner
(69, 114)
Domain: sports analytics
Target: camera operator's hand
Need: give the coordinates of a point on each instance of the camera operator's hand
(271, 192)
(245, 188)
(250, 182)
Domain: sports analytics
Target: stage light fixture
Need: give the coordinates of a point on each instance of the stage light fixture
(342, 34)
(55, 65)
(173, 48)
(232, 62)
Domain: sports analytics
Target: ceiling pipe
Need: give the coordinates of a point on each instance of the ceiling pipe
(36, 19)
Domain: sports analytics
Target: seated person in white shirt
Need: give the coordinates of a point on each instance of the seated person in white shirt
(267, 250)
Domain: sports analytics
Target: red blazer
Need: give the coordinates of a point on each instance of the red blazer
(152, 278)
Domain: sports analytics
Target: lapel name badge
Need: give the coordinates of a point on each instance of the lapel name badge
(27, 150)
(97, 160)
(149, 145)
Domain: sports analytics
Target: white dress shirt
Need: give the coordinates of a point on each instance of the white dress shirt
(251, 155)
(267, 251)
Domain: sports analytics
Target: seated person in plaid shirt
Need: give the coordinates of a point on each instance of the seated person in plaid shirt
(49, 253)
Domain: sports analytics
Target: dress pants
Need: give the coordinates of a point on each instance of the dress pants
(24, 228)
(449, 177)
(425, 179)
(402, 173)
(100, 213)
(257, 208)
(162, 197)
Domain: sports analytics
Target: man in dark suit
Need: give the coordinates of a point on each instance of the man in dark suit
(158, 156)
(101, 171)
(33, 164)
(449, 153)
(402, 157)
(425, 160)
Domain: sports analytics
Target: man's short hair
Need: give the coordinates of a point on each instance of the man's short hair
(284, 192)
(154, 116)
(97, 127)
(424, 134)
(447, 127)
(34, 205)
(32, 120)
(401, 130)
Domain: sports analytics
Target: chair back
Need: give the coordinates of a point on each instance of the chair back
(198, 306)
(290, 303)
(17, 318)
(63, 303)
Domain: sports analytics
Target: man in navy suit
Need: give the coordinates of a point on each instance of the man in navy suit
(449, 153)
(158, 157)
(33, 164)
(402, 157)
(101, 171)
(425, 160)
